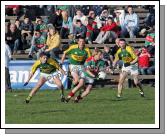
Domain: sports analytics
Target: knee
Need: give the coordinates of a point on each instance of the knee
(75, 81)
(121, 82)
(60, 86)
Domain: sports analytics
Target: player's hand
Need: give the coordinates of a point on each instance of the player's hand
(126, 64)
(26, 83)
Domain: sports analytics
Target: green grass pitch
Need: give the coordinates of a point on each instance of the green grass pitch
(100, 107)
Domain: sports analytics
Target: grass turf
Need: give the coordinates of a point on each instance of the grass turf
(99, 107)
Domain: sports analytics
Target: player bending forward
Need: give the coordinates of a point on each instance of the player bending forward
(48, 71)
(88, 75)
(129, 58)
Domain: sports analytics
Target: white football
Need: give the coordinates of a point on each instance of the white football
(102, 75)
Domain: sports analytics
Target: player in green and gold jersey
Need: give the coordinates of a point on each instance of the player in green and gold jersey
(89, 73)
(127, 55)
(77, 55)
(48, 71)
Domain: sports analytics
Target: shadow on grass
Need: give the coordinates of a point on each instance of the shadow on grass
(51, 111)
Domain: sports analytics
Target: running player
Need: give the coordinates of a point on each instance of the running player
(89, 73)
(129, 58)
(77, 55)
(48, 71)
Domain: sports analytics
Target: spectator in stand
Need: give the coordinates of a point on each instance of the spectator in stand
(144, 61)
(67, 26)
(17, 23)
(102, 19)
(41, 26)
(8, 57)
(131, 23)
(53, 43)
(38, 44)
(80, 16)
(119, 19)
(48, 10)
(108, 31)
(150, 19)
(150, 42)
(92, 14)
(26, 31)
(56, 19)
(13, 37)
(12, 10)
(91, 30)
(151, 69)
(85, 9)
(79, 30)
(107, 57)
(115, 48)
(98, 9)
(69, 8)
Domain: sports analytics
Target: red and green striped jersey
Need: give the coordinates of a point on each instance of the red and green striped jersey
(93, 65)
(149, 39)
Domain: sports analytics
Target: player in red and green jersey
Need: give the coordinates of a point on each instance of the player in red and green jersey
(77, 55)
(48, 71)
(89, 73)
(129, 58)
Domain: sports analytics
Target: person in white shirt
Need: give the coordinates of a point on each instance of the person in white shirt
(119, 19)
(8, 57)
(80, 16)
(131, 23)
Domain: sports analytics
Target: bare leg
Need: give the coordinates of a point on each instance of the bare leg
(75, 78)
(75, 89)
(41, 81)
(123, 75)
(138, 84)
(61, 88)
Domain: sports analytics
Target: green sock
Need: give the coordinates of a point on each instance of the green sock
(29, 98)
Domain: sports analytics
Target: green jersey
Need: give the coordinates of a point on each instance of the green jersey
(76, 55)
(49, 67)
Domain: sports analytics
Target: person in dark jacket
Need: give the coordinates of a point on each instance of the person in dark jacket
(56, 19)
(26, 30)
(13, 37)
(80, 30)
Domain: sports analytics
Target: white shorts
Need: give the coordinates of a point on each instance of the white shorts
(50, 77)
(87, 79)
(76, 68)
(132, 69)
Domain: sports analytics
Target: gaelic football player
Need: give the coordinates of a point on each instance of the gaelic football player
(77, 55)
(89, 73)
(48, 71)
(129, 58)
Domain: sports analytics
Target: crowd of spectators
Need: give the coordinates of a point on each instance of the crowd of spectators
(97, 24)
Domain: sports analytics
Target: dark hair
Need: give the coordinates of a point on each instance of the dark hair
(38, 17)
(130, 6)
(43, 54)
(38, 30)
(17, 20)
(78, 20)
(78, 10)
(25, 17)
(110, 18)
(81, 37)
(90, 19)
(122, 40)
